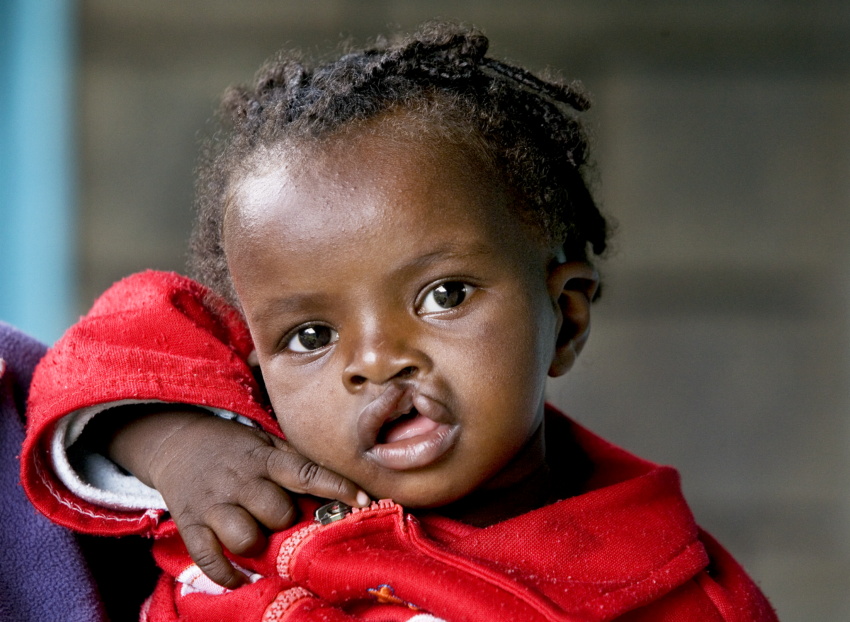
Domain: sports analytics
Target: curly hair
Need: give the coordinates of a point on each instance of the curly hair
(527, 127)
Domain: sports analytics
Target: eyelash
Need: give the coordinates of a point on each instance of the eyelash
(294, 343)
(451, 294)
(454, 295)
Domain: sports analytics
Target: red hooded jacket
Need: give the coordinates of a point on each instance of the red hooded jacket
(626, 548)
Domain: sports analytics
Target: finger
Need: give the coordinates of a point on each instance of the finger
(206, 552)
(294, 472)
(268, 503)
(236, 529)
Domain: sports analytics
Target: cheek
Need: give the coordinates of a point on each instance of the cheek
(304, 404)
(503, 358)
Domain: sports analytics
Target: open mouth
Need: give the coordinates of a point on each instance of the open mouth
(403, 430)
(408, 425)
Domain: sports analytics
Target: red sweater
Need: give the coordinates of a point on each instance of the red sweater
(626, 548)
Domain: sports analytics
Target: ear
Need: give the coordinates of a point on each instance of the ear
(572, 286)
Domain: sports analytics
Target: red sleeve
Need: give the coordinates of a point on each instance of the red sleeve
(152, 336)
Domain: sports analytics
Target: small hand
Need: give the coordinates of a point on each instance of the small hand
(221, 480)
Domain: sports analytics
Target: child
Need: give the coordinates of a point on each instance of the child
(403, 239)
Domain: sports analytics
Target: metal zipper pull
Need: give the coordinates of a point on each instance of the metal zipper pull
(332, 512)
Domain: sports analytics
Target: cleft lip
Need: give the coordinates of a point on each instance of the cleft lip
(394, 402)
(412, 451)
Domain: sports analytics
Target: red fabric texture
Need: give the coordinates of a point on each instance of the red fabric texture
(152, 336)
(627, 548)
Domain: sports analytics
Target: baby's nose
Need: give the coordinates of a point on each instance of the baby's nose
(378, 361)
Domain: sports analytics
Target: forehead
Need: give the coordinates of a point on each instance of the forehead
(359, 183)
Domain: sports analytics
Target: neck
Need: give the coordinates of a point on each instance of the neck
(525, 484)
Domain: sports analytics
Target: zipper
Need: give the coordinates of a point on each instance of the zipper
(332, 512)
(337, 510)
(323, 517)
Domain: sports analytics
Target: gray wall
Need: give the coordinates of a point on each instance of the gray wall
(723, 138)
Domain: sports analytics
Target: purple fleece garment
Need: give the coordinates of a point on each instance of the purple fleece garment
(43, 575)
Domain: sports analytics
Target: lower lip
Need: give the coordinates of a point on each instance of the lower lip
(415, 452)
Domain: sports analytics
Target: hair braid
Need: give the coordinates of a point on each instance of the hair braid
(527, 126)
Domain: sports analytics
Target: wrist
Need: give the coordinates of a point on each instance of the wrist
(138, 434)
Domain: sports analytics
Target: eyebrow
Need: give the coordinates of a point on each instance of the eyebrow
(297, 302)
(293, 303)
(449, 250)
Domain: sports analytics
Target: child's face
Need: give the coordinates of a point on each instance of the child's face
(404, 320)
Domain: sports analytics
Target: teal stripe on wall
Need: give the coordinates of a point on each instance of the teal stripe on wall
(37, 259)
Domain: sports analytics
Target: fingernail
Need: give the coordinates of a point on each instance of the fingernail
(363, 499)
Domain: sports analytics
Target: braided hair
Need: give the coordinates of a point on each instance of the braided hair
(525, 126)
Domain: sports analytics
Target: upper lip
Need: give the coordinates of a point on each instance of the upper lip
(396, 400)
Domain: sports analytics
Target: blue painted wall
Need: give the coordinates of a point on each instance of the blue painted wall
(37, 258)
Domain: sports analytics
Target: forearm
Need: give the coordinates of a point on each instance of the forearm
(133, 437)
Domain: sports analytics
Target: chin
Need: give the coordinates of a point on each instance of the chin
(420, 496)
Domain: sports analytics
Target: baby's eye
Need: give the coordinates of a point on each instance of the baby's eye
(445, 296)
(312, 338)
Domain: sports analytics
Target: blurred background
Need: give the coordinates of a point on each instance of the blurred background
(722, 129)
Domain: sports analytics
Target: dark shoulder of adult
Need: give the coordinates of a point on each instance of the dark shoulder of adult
(46, 571)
